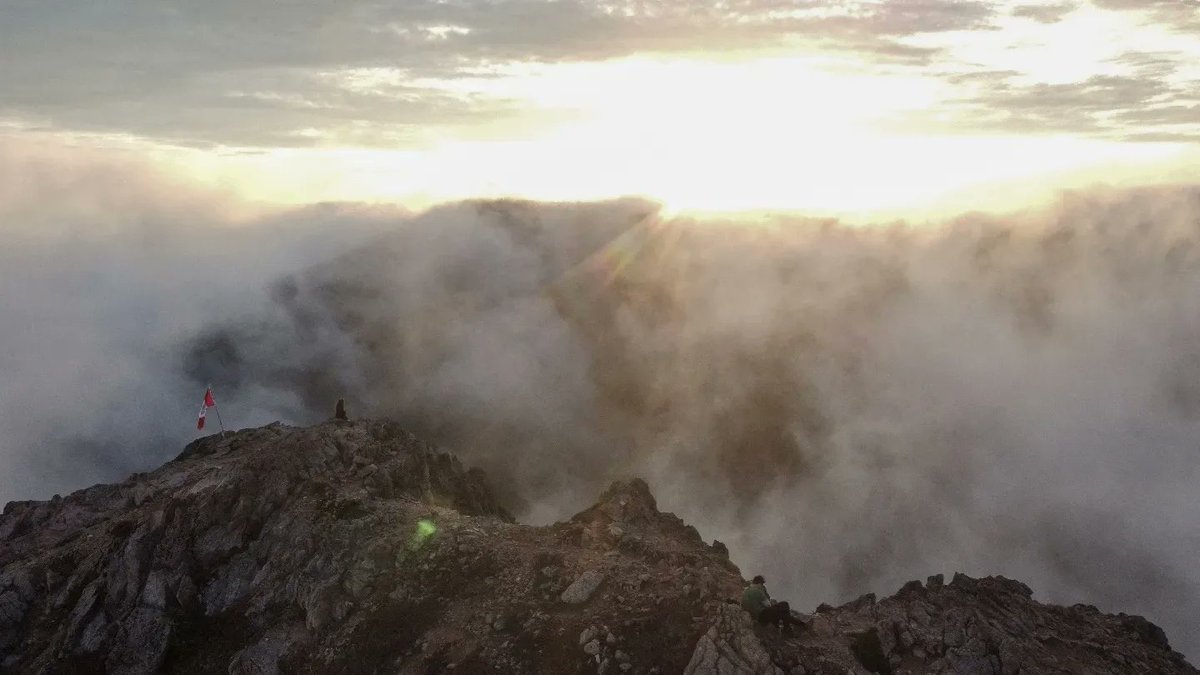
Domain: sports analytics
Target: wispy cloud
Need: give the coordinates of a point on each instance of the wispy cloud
(263, 74)
(256, 73)
(1047, 13)
(1146, 100)
(1178, 15)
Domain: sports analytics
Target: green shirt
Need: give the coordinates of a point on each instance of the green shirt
(754, 599)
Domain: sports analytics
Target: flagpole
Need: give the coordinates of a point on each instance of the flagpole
(218, 411)
(219, 422)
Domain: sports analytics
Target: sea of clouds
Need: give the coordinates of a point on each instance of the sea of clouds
(846, 406)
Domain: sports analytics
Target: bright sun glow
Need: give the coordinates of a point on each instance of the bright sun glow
(891, 113)
(814, 134)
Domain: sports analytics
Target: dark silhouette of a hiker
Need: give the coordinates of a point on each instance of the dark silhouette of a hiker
(763, 609)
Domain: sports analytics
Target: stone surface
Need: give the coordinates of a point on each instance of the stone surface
(352, 547)
(730, 647)
(583, 587)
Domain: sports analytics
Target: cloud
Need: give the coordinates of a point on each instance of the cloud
(280, 110)
(1069, 106)
(104, 266)
(1051, 13)
(1148, 101)
(1180, 16)
(263, 75)
(259, 74)
(847, 407)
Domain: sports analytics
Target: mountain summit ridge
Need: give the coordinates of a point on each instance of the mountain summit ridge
(356, 547)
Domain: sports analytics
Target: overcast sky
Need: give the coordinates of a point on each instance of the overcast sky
(732, 104)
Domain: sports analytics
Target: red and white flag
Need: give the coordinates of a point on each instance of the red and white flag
(209, 401)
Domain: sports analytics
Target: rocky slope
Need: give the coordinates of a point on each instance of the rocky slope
(352, 547)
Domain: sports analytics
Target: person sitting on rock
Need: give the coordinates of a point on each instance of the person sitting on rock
(763, 609)
(339, 411)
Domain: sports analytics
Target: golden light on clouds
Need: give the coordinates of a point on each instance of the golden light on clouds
(872, 110)
(816, 134)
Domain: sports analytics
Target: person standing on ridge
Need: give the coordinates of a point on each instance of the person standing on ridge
(339, 412)
(763, 609)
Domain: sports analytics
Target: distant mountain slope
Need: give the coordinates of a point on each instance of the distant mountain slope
(353, 547)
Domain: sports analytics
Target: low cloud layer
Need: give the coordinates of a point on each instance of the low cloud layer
(104, 268)
(847, 407)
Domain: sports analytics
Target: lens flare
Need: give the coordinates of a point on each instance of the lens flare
(424, 531)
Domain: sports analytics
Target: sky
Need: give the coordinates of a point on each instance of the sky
(858, 108)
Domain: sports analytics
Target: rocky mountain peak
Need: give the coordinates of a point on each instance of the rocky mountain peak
(353, 547)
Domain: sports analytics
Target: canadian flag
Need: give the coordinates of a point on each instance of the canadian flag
(208, 402)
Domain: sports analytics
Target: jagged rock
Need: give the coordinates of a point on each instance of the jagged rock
(582, 588)
(989, 625)
(264, 656)
(141, 643)
(93, 637)
(12, 608)
(730, 647)
(720, 548)
(230, 584)
(83, 611)
(353, 547)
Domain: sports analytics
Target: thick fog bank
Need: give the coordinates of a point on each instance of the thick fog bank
(847, 407)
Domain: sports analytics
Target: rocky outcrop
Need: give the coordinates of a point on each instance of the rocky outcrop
(730, 647)
(233, 535)
(352, 547)
(989, 626)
